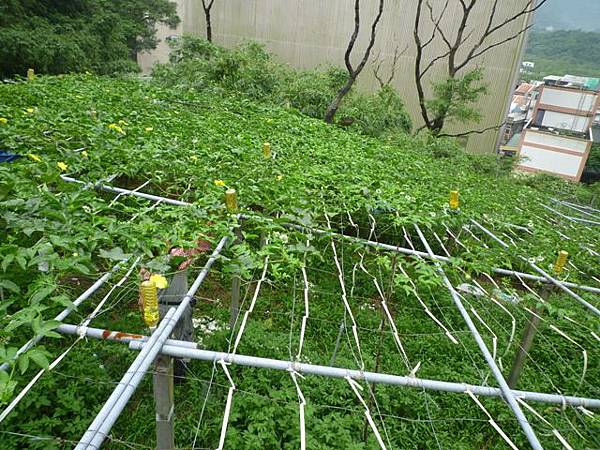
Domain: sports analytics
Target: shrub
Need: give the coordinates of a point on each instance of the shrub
(59, 37)
(251, 71)
(378, 114)
(310, 91)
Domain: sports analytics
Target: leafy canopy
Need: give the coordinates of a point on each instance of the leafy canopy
(72, 36)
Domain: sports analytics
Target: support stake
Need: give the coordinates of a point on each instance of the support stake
(236, 282)
(163, 402)
(526, 342)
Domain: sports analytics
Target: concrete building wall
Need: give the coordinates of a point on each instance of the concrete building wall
(565, 121)
(311, 33)
(564, 156)
(581, 102)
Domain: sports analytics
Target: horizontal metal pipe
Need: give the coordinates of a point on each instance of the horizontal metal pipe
(393, 248)
(108, 415)
(408, 251)
(185, 349)
(65, 312)
(116, 336)
(121, 191)
(178, 351)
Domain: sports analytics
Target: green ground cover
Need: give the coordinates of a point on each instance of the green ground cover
(192, 145)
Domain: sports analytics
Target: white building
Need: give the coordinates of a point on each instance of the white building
(558, 137)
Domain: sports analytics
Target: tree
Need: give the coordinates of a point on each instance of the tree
(207, 6)
(354, 72)
(54, 36)
(379, 62)
(453, 98)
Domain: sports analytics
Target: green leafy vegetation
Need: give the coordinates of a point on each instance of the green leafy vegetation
(249, 70)
(563, 52)
(59, 37)
(454, 98)
(194, 131)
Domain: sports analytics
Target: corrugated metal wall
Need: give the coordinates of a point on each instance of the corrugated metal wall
(309, 33)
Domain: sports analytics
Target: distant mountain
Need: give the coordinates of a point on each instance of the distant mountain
(569, 15)
(564, 51)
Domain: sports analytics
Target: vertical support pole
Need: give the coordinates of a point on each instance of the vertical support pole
(163, 402)
(231, 204)
(526, 342)
(236, 283)
(337, 344)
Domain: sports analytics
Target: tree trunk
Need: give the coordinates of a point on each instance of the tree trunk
(437, 125)
(208, 25)
(335, 104)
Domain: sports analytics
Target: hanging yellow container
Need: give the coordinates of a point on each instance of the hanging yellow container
(231, 200)
(267, 150)
(454, 202)
(561, 261)
(149, 295)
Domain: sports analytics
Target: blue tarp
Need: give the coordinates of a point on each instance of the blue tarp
(6, 157)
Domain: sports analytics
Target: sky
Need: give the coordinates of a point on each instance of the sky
(570, 15)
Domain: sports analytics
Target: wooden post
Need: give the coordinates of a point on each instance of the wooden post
(163, 402)
(526, 342)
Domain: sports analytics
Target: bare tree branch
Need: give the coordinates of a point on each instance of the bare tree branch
(491, 46)
(490, 29)
(455, 45)
(353, 73)
(377, 63)
(418, 61)
(367, 54)
(468, 133)
(436, 22)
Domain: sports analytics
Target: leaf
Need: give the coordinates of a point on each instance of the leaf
(39, 357)
(7, 284)
(42, 293)
(23, 362)
(62, 300)
(7, 386)
(115, 254)
(21, 262)
(48, 326)
(7, 260)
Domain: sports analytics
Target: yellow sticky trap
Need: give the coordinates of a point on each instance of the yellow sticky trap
(267, 150)
(561, 261)
(231, 200)
(30, 74)
(454, 202)
(148, 291)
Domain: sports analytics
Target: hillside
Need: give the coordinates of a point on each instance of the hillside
(57, 237)
(564, 52)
